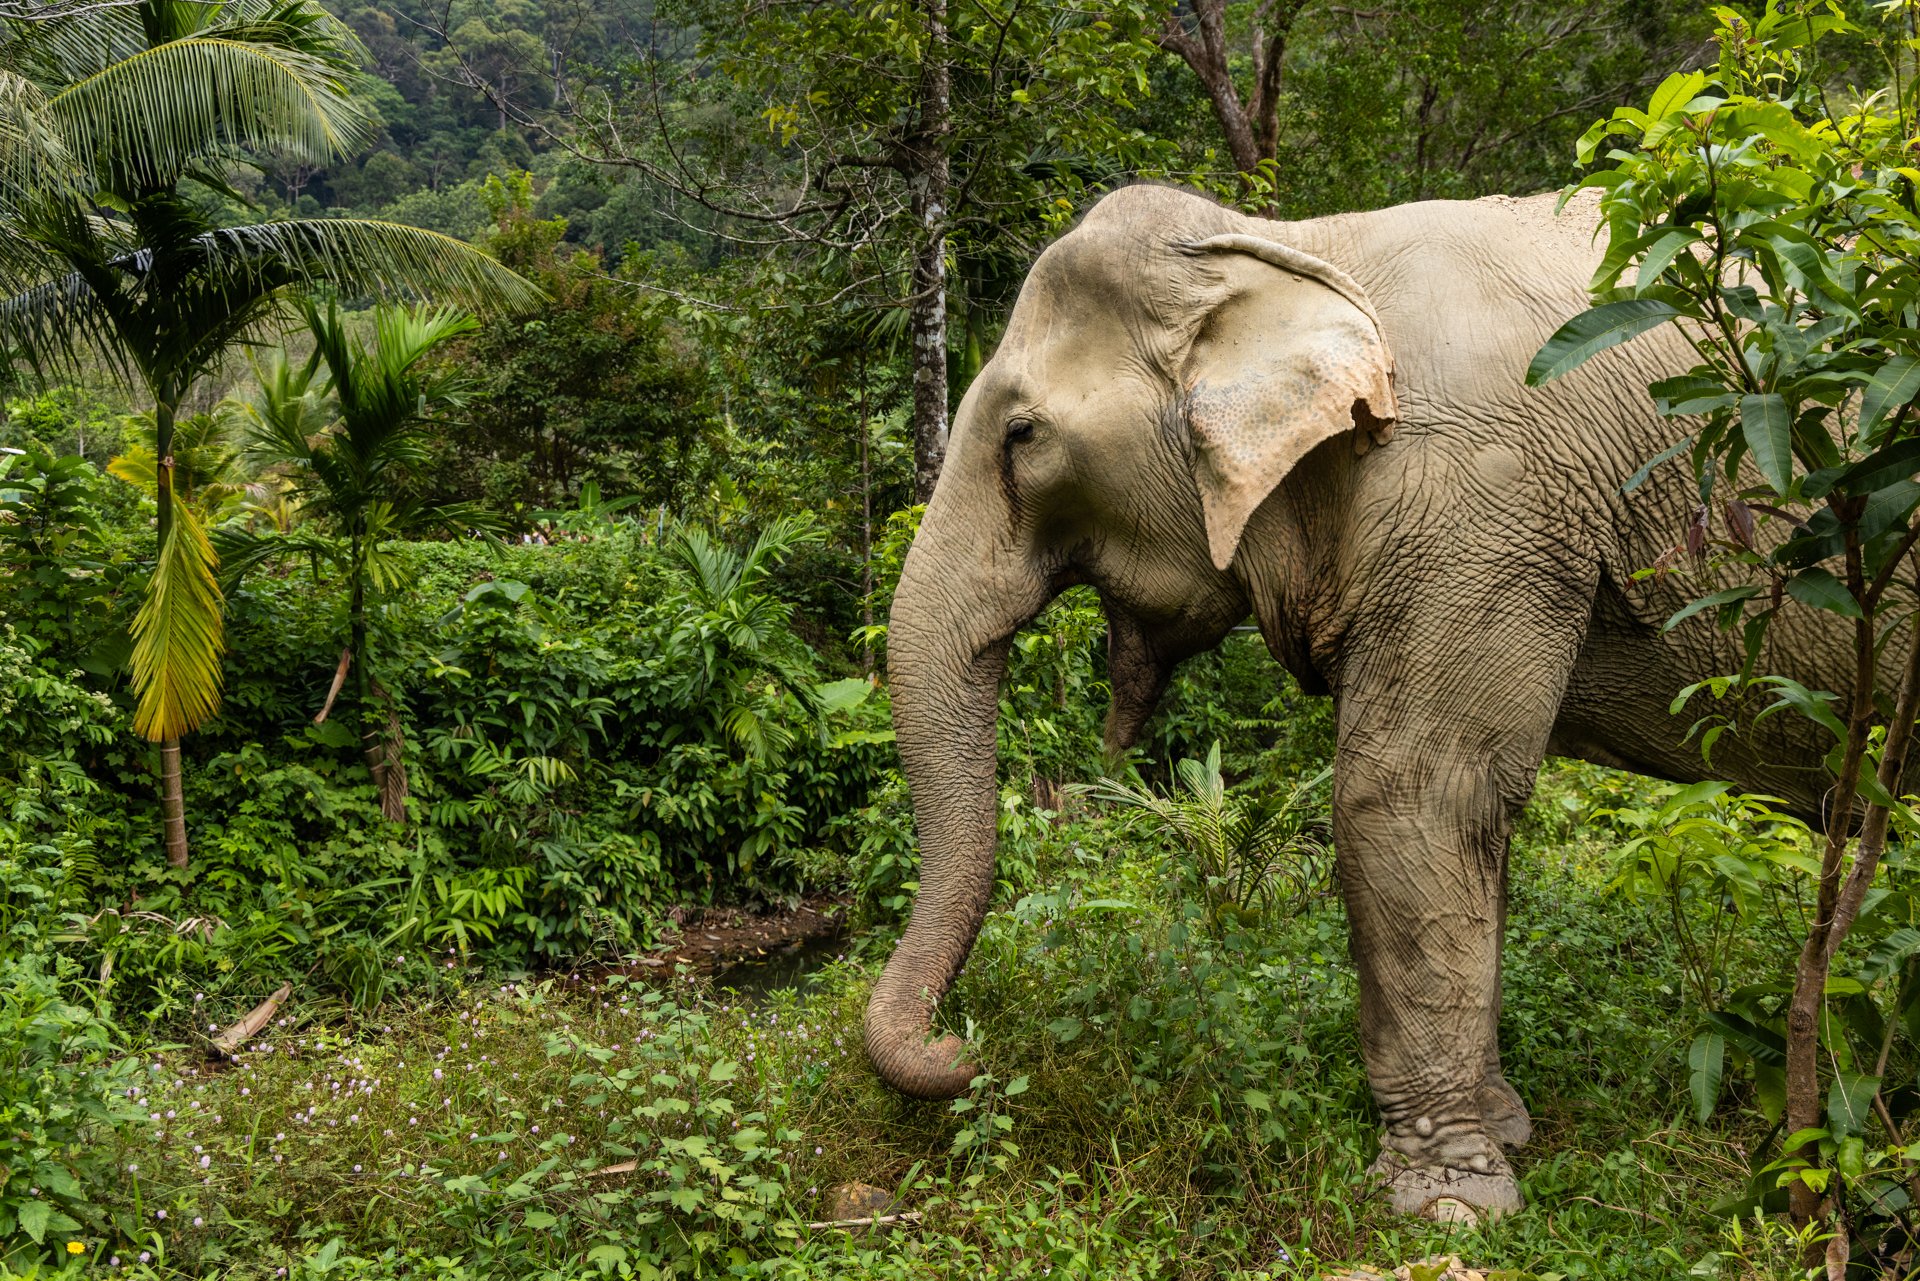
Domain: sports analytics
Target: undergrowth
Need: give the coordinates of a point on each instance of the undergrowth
(1155, 1100)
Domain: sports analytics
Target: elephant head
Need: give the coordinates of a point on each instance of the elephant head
(1165, 367)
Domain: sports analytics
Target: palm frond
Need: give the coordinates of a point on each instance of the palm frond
(145, 120)
(32, 151)
(368, 257)
(69, 46)
(280, 422)
(58, 266)
(177, 635)
(713, 569)
(177, 309)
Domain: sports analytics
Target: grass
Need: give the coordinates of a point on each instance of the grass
(1156, 1102)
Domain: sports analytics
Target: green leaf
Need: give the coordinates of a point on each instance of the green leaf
(1897, 462)
(33, 1215)
(1595, 330)
(1767, 424)
(1889, 954)
(1724, 597)
(607, 1256)
(1850, 1102)
(538, 1219)
(1762, 1045)
(1892, 385)
(842, 695)
(1646, 469)
(724, 1070)
(1663, 251)
(1815, 705)
(1819, 589)
(1675, 92)
(1706, 1062)
(1770, 1091)
(1258, 1100)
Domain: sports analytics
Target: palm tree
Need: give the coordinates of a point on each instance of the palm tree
(116, 122)
(353, 473)
(209, 471)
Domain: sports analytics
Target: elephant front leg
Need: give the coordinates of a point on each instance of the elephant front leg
(1421, 827)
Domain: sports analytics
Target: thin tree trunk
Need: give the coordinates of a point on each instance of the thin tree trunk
(866, 520)
(930, 175)
(1804, 1100)
(173, 805)
(1250, 128)
(380, 735)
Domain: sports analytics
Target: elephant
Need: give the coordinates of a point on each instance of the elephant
(1324, 425)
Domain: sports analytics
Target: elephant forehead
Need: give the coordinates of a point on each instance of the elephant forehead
(1097, 277)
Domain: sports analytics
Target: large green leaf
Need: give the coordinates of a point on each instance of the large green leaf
(367, 256)
(1892, 385)
(1767, 425)
(1706, 1063)
(1726, 596)
(1595, 330)
(1819, 589)
(1889, 466)
(177, 639)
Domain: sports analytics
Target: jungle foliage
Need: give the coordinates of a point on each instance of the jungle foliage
(521, 630)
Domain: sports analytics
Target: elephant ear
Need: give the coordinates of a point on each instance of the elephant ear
(1290, 355)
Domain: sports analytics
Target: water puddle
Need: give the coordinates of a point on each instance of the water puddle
(792, 967)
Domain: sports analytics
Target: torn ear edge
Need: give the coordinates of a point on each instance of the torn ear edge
(1372, 429)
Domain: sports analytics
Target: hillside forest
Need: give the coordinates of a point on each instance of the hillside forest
(455, 463)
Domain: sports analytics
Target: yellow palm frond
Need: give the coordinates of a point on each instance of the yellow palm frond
(177, 635)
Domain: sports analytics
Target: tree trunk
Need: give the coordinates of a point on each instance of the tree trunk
(866, 521)
(1805, 1104)
(381, 741)
(928, 180)
(1251, 128)
(173, 805)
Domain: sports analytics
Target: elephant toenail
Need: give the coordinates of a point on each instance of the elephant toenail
(1424, 1127)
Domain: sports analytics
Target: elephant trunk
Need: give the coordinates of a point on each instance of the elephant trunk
(945, 666)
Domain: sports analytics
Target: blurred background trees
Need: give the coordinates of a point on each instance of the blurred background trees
(774, 242)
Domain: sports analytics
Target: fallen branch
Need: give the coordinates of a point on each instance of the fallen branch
(230, 1041)
(871, 1221)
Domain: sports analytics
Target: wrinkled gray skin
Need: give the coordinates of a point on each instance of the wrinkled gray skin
(1323, 425)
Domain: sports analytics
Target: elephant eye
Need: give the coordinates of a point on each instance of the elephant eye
(1019, 429)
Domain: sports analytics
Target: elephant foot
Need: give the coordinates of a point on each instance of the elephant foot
(1503, 1114)
(1448, 1194)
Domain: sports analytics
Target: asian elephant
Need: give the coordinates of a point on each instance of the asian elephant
(1324, 424)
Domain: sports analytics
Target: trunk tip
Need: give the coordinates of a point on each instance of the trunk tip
(919, 1068)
